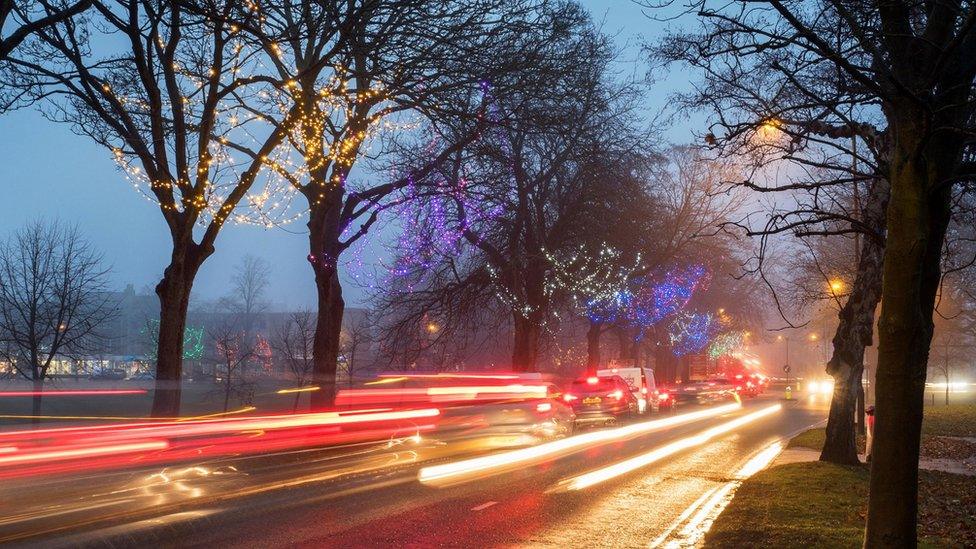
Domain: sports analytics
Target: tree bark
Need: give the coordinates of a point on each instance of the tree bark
(918, 215)
(36, 401)
(324, 249)
(174, 300)
(527, 332)
(855, 331)
(593, 347)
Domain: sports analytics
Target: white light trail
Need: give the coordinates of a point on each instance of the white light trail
(606, 473)
(461, 471)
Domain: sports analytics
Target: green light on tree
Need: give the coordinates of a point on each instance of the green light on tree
(192, 341)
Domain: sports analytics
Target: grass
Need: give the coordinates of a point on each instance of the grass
(814, 440)
(814, 505)
(955, 420)
(809, 504)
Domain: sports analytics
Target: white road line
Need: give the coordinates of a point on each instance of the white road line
(711, 504)
(484, 506)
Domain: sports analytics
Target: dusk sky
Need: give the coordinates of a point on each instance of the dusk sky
(51, 173)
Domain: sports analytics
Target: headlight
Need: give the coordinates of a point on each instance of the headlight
(813, 387)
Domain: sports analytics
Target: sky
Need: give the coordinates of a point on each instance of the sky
(50, 173)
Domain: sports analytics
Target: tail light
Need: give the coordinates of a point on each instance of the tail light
(738, 387)
(592, 380)
(616, 395)
(543, 407)
(569, 397)
(663, 396)
(643, 390)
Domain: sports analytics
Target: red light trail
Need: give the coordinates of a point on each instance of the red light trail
(85, 392)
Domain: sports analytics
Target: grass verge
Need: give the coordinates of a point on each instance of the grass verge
(816, 504)
(810, 504)
(955, 420)
(814, 440)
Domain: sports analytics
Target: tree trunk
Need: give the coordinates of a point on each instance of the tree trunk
(174, 300)
(593, 347)
(325, 343)
(947, 391)
(855, 331)
(525, 351)
(36, 401)
(227, 389)
(324, 249)
(685, 365)
(918, 215)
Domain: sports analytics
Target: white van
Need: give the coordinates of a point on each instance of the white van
(641, 383)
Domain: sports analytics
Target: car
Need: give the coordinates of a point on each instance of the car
(601, 399)
(747, 386)
(143, 376)
(702, 392)
(108, 374)
(641, 383)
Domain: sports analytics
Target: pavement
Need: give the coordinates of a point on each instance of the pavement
(370, 496)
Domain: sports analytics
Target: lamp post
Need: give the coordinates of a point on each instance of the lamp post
(786, 365)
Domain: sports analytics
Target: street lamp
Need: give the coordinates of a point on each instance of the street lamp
(768, 131)
(836, 286)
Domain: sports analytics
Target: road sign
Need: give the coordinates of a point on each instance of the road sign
(786, 368)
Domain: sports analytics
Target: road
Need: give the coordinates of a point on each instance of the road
(371, 496)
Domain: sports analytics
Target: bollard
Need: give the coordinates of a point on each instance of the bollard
(789, 393)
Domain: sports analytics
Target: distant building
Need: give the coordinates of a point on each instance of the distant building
(128, 341)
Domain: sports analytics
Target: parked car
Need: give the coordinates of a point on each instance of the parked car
(601, 399)
(108, 374)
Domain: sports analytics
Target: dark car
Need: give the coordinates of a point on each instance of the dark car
(601, 399)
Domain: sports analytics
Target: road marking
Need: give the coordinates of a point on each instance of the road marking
(484, 506)
(711, 504)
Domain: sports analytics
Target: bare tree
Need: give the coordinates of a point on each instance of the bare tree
(157, 85)
(250, 281)
(771, 111)
(916, 62)
(252, 275)
(357, 335)
(953, 342)
(21, 19)
(232, 353)
(54, 301)
(293, 344)
(500, 209)
(357, 70)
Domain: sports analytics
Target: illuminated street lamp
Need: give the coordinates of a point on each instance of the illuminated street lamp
(836, 286)
(768, 131)
(432, 328)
